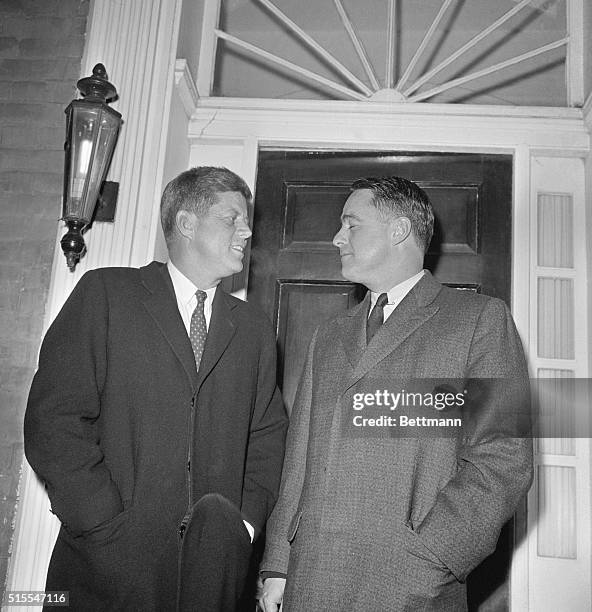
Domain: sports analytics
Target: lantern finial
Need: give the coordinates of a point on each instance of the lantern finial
(97, 87)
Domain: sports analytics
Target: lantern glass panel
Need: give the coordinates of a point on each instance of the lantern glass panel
(93, 132)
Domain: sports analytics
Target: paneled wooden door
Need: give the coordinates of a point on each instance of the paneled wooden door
(295, 271)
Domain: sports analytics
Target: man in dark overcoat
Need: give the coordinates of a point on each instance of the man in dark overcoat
(154, 419)
(383, 515)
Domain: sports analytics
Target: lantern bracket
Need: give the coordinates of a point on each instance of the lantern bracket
(107, 201)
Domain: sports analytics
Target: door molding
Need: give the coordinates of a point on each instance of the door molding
(355, 125)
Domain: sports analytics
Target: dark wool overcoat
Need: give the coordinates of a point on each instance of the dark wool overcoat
(378, 518)
(128, 436)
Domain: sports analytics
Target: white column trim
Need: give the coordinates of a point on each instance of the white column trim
(186, 86)
(207, 49)
(587, 113)
(521, 269)
(574, 65)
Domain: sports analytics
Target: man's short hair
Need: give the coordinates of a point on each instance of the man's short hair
(397, 197)
(195, 190)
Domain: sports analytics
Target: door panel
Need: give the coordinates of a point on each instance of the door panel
(295, 271)
(310, 213)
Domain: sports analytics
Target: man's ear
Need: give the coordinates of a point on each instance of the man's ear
(401, 228)
(186, 223)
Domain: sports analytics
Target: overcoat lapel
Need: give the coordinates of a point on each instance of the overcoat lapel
(415, 309)
(353, 333)
(162, 306)
(221, 330)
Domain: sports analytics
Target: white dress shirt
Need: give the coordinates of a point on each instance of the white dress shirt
(395, 295)
(186, 303)
(186, 299)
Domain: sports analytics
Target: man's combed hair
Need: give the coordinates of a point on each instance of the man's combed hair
(396, 196)
(195, 190)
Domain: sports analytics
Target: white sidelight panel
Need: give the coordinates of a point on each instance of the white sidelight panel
(559, 503)
(556, 318)
(555, 230)
(556, 529)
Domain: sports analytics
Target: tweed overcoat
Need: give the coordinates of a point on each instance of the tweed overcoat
(128, 436)
(381, 522)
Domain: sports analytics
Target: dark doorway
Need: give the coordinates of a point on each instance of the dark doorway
(295, 273)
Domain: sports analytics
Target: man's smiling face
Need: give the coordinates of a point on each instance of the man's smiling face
(221, 236)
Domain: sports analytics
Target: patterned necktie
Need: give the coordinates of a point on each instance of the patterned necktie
(198, 330)
(376, 317)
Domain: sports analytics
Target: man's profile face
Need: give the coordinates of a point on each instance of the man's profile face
(364, 240)
(221, 236)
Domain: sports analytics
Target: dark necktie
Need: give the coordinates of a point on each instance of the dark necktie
(376, 317)
(198, 330)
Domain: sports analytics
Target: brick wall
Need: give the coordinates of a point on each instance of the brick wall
(41, 45)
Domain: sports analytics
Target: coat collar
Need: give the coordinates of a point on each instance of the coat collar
(413, 311)
(162, 306)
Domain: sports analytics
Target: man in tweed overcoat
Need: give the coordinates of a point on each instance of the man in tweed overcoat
(375, 521)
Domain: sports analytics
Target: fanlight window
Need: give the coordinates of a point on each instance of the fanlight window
(475, 51)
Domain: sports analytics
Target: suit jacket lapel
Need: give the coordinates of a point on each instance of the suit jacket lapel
(220, 332)
(415, 309)
(162, 306)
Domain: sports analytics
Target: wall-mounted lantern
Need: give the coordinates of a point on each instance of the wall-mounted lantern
(91, 134)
